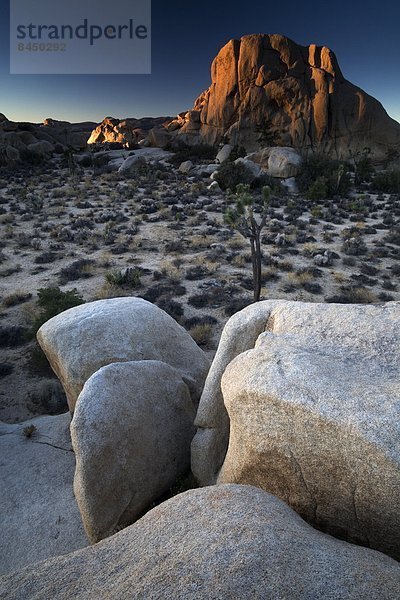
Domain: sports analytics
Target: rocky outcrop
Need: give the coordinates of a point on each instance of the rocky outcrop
(19, 141)
(81, 340)
(127, 132)
(267, 90)
(131, 434)
(39, 516)
(225, 541)
(67, 134)
(310, 407)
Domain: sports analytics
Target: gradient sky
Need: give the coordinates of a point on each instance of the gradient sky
(185, 38)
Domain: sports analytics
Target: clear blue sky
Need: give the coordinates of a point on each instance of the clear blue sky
(186, 37)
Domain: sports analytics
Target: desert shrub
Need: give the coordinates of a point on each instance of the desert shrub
(5, 369)
(16, 298)
(237, 152)
(164, 289)
(194, 153)
(53, 301)
(353, 295)
(45, 258)
(321, 177)
(387, 181)
(236, 304)
(79, 269)
(128, 278)
(201, 333)
(364, 169)
(318, 190)
(230, 175)
(204, 320)
(170, 306)
(12, 336)
(197, 272)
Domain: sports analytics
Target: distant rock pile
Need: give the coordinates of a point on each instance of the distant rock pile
(127, 133)
(268, 91)
(22, 142)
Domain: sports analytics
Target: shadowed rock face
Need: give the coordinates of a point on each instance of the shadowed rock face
(268, 90)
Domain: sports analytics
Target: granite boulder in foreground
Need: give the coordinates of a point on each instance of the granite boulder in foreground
(131, 433)
(226, 541)
(303, 400)
(81, 340)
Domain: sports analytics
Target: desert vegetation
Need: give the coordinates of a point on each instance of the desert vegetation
(76, 235)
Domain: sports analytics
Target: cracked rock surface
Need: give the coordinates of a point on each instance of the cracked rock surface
(309, 398)
(39, 517)
(225, 541)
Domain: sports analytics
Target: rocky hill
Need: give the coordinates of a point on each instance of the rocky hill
(267, 90)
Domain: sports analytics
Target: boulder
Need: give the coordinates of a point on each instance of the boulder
(27, 137)
(12, 154)
(131, 433)
(214, 186)
(253, 168)
(310, 393)
(82, 339)
(204, 170)
(131, 163)
(224, 154)
(268, 90)
(186, 166)
(227, 541)
(159, 137)
(39, 515)
(291, 185)
(42, 148)
(283, 162)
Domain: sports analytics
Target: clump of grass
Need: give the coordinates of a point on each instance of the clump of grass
(29, 431)
(201, 333)
(128, 278)
(79, 269)
(353, 295)
(16, 298)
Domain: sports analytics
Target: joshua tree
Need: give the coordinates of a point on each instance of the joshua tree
(250, 226)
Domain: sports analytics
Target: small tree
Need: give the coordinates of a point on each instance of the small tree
(243, 219)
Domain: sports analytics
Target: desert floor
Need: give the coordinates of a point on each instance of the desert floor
(84, 230)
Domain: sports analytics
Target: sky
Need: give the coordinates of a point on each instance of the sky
(186, 36)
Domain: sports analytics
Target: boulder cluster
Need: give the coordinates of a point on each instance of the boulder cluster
(297, 452)
(127, 133)
(21, 142)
